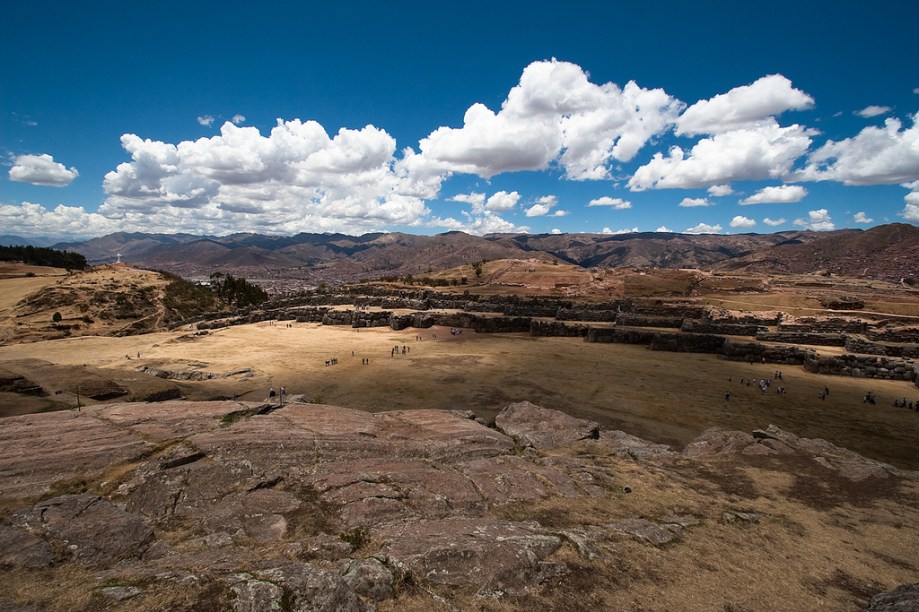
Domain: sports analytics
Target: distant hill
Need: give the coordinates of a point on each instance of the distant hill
(13, 240)
(884, 251)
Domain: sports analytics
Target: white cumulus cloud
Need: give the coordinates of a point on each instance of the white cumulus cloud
(664, 229)
(781, 194)
(911, 211)
(297, 178)
(818, 220)
(476, 199)
(41, 170)
(876, 156)
(774, 222)
(542, 206)
(66, 222)
(743, 107)
(742, 222)
(554, 114)
(237, 119)
(703, 228)
(609, 231)
(617, 203)
(205, 120)
(694, 202)
(765, 150)
(502, 201)
(490, 223)
(873, 111)
(861, 217)
(718, 191)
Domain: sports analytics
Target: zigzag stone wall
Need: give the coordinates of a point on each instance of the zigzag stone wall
(862, 366)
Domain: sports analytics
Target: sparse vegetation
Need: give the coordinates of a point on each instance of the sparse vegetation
(184, 300)
(357, 537)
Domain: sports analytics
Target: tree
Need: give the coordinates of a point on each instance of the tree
(56, 317)
(237, 291)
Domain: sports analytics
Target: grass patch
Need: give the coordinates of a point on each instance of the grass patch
(358, 537)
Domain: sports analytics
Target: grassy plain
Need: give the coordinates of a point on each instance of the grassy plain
(661, 396)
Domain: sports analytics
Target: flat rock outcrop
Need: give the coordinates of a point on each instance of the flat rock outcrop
(84, 528)
(249, 506)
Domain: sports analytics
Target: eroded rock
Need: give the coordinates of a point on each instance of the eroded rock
(488, 556)
(543, 429)
(904, 598)
(91, 530)
(19, 548)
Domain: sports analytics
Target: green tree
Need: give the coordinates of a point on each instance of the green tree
(237, 291)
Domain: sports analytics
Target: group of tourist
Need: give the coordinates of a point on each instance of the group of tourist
(902, 403)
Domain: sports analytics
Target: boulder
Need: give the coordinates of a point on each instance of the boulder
(904, 598)
(621, 444)
(307, 587)
(646, 531)
(542, 428)
(369, 578)
(717, 441)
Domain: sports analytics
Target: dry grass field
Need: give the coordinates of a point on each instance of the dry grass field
(665, 397)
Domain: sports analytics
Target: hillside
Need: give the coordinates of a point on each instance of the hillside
(109, 300)
(882, 252)
(887, 251)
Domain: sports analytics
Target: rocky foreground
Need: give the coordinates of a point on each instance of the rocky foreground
(224, 505)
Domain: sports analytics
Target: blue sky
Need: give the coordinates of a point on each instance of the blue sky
(425, 117)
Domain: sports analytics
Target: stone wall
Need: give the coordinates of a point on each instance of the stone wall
(682, 311)
(707, 326)
(557, 328)
(634, 320)
(619, 335)
(862, 366)
(803, 337)
(755, 352)
(825, 325)
(897, 334)
(856, 345)
(530, 310)
(720, 315)
(584, 314)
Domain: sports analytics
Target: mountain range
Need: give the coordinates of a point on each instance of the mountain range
(887, 251)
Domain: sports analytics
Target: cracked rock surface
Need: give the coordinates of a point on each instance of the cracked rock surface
(315, 507)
